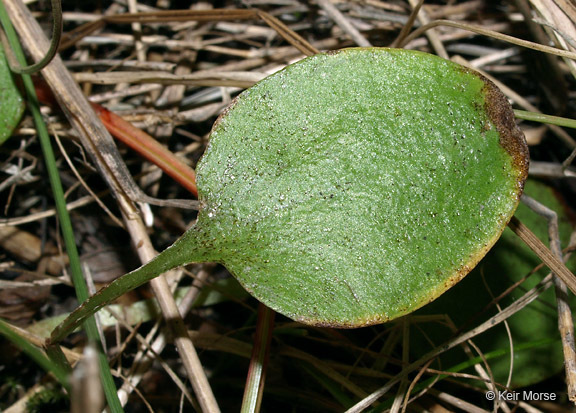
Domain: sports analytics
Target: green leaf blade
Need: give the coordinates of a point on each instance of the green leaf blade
(352, 188)
(11, 102)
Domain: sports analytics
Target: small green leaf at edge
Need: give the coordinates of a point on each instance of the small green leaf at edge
(318, 180)
(11, 102)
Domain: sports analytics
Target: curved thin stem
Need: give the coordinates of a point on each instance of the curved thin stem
(409, 24)
(193, 246)
(54, 44)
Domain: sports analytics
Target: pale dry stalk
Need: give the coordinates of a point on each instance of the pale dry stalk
(343, 23)
(431, 34)
(565, 320)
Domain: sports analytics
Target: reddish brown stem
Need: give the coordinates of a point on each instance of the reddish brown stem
(148, 148)
(259, 360)
(135, 138)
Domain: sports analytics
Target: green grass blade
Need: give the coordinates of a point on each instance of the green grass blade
(332, 387)
(64, 217)
(35, 354)
(542, 118)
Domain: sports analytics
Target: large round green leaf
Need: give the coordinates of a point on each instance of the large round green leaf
(353, 187)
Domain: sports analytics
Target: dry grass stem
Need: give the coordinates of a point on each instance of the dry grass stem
(432, 35)
(458, 403)
(558, 267)
(344, 23)
(526, 299)
(565, 320)
(234, 79)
